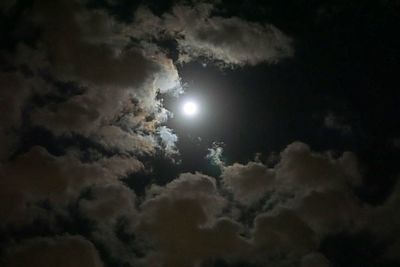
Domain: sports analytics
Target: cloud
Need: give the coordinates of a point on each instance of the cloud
(39, 176)
(249, 182)
(89, 48)
(14, 92)
(314, 260)
(108, 203)
(333, 122)
(299, 171)
(282, 234)
(63, 251)
(299, 166)
(233, 41)
(215, 153)
(113, 81)
(93, 85)
(114, 138)
(6, 5)
(331, 212)
(111, 208)
(181, 223)
(84, 83)
(383, 221)
(168, 139)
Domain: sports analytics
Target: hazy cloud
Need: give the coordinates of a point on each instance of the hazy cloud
(333, 122)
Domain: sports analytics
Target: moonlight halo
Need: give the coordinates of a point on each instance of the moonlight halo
(190, 108)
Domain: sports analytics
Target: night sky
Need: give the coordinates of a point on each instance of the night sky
(199, 133)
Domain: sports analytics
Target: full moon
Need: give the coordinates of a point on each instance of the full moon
(190, 108)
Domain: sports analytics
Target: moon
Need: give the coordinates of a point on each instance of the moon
(190, 108)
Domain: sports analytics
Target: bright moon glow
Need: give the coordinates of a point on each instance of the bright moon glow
(190, 108)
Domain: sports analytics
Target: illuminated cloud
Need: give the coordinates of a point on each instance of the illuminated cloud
(232, 41)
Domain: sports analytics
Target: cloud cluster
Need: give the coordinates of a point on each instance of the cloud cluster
(262, 215)
(83, 83)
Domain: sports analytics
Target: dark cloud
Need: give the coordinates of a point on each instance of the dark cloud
(314, 260)
(63, 251)
(14, 92)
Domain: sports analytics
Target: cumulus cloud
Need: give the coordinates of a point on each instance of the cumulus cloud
(181, 222)
(299, 171)
(249, 182)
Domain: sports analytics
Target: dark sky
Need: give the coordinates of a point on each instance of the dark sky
(291, 161)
